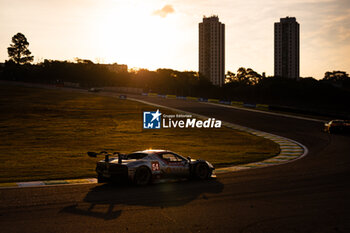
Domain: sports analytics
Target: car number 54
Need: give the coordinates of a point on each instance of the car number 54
(155, 166)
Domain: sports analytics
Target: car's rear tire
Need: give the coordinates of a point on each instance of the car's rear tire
(202, 171)
(142, 176)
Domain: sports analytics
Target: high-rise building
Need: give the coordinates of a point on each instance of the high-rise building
(287, 48)
(212, 50)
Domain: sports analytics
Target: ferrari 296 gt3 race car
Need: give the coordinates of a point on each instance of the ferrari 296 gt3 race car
(337, 126)
(143, 167)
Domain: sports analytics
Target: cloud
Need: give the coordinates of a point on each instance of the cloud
(167, 9)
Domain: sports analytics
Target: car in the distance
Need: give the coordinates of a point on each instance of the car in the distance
(95, 89)
(337, 126)
(144, 167)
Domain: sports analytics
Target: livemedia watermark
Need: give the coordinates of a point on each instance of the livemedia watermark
(157, 120)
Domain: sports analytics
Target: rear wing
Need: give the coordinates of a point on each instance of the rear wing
(106, 154)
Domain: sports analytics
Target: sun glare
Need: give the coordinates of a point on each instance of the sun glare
(139, 39)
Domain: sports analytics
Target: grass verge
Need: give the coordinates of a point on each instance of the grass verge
(45, 134)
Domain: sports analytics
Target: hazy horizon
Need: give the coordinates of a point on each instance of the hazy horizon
(164, 34)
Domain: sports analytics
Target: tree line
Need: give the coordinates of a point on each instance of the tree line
(331, 93)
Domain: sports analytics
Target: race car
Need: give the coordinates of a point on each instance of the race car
(337, 126)
(94, 89)
(144, 167)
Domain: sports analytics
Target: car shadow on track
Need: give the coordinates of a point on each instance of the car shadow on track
(101, 201)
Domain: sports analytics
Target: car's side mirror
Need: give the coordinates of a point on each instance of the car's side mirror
(189, 158)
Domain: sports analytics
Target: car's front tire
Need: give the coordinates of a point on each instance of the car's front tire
(202, 171)
(101, 179)
(142, 176)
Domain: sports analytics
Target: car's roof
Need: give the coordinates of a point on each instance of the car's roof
(151, 151)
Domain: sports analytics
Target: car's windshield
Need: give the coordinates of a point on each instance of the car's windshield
(337, 121)
(171, 157)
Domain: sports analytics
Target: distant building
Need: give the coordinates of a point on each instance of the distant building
(115, 67)
(212, 50)
(287, 48)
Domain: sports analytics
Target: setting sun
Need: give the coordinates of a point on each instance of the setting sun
(140, 39)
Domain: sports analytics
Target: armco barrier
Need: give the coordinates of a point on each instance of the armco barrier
(262, 106)
(213, 100)
(225, 102)
(170, 96)
(153, 94)
(181, 97)
(236, 103)
(161, 96)
(192, 98)
(248, 105)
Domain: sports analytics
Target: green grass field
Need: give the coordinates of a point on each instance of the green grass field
(45, 134)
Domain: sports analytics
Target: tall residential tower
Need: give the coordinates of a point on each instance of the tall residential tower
(287, 48)
(212, 50)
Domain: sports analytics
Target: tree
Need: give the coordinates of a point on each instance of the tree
(337, 78)
(241, 75)
(18, 50)
(230, 77)
(244, 76)
(252, 77)
(83, 61)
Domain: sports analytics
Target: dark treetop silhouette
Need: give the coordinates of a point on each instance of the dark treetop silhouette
(18, 50)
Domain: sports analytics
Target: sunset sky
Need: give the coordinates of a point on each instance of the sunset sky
(164, 34)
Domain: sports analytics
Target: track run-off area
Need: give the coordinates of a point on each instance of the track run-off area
(289, 151)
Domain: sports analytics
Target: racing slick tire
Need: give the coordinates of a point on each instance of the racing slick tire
(202, 171)
(142, 176)
(101, 179)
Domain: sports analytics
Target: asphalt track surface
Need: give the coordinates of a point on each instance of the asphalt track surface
(309, 195)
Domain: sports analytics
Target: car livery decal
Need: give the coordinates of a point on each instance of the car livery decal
(155, 166)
